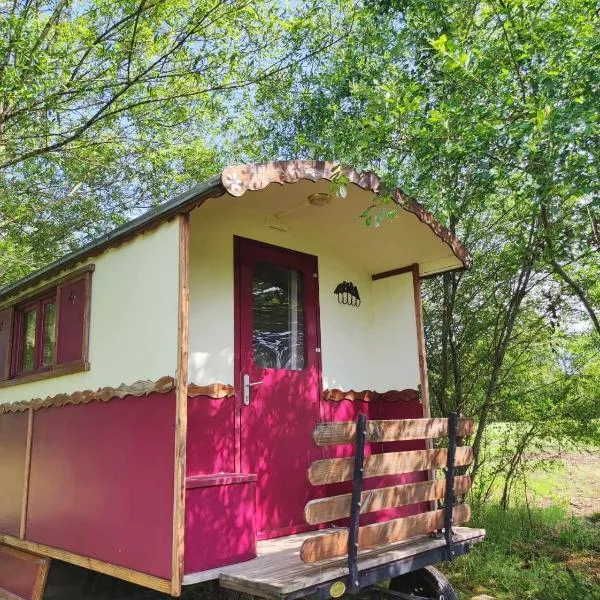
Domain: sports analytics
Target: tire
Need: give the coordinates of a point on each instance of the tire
(428, 582)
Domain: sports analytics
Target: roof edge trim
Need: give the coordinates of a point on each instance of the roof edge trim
(181, 203)
(239, 179)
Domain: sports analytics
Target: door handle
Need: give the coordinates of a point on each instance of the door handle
(247, 385)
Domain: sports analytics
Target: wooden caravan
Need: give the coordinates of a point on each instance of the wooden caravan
(178, 399)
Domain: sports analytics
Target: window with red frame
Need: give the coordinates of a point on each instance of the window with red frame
(47, 333)
(35, 336)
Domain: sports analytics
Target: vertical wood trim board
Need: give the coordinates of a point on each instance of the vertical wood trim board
(421, 340)
(41, 579)
(25, 498)
(433, 504)
(181, 407)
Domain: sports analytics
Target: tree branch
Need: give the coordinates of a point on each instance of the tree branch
(103, 112)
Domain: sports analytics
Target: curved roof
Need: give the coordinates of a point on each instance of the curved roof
(237, 180)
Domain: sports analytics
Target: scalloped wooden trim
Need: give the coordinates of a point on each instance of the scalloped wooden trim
(241, 178)
(139, 388)
(407, 395)
(212, 390)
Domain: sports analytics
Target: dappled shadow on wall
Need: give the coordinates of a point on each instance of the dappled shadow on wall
(277, 445)
(348, 410)
(211, 435)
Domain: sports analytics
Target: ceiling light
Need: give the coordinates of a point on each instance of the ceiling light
(319, 199)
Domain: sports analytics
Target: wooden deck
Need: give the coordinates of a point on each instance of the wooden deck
(278, 571)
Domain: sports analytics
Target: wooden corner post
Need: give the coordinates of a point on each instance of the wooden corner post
(422, 361)
(181, 385)
(25, 497)
(421, 340)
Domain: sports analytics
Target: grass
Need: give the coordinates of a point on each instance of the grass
(558, 474)
(536, 554)
(573, 481)
(550, 551)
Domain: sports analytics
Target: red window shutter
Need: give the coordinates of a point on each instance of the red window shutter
(73, 300)
(6, 323)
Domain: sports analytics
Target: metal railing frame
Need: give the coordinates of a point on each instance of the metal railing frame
(357, 487)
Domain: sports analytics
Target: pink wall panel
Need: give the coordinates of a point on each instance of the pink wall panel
(101, 481)
(219, 525)
(347, 410)
(17, 576)
(210, 439)
(399, 410)
(344, 410)
(13, 442)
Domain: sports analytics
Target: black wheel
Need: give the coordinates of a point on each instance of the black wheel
(428, 582)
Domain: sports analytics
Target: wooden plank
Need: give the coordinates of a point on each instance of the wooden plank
(278, 570)
(323, 510)
(143, 579)
(25, 496)
(422, 353)
(392, 272)
(181, 390)
(336, 470)
(212, 390)
(406, 395)
(276, 579)
(421, 339)
(332, 545)
(41, 579)
(344, 432)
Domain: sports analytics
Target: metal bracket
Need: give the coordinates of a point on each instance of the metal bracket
(394, 594)
(358, 580)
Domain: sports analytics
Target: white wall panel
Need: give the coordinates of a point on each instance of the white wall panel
(370, 347)
(395, 332)
(133, 325)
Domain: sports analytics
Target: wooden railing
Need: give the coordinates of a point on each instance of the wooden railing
(353, 539)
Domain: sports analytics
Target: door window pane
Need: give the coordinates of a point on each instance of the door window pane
(278, 317)
(49, 334)
(28, 340)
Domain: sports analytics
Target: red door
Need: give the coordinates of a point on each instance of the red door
(278, 365)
